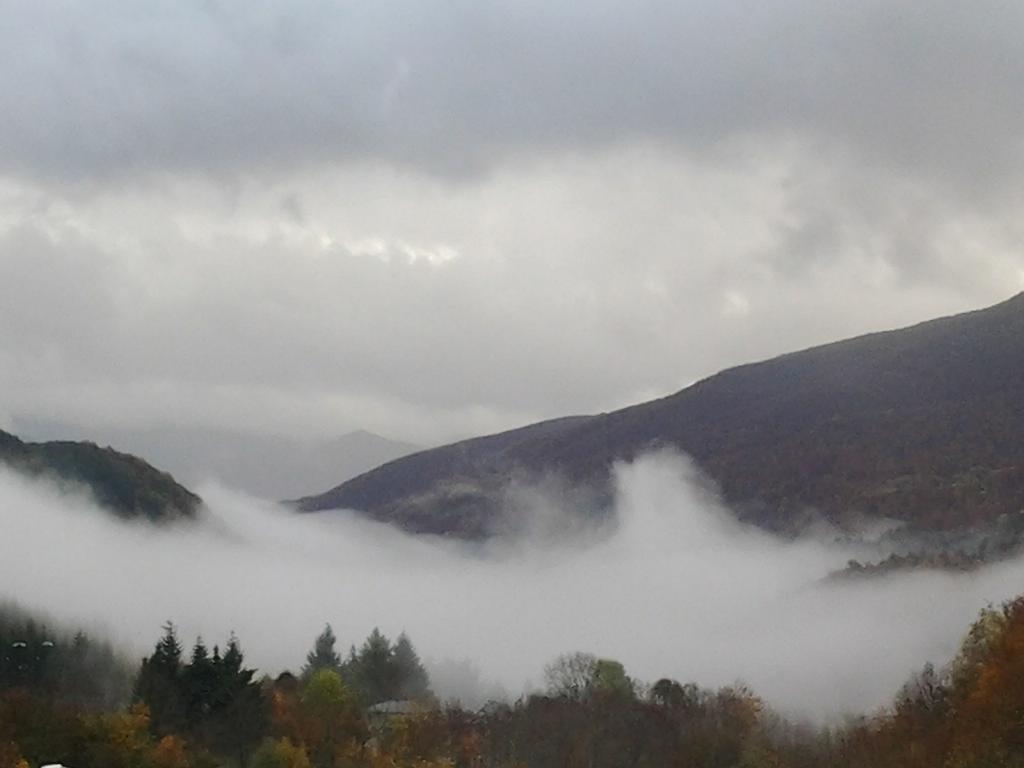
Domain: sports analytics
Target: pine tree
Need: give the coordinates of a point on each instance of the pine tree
(370, 671)
(167, 656)
(233, 658)
(376, 677)
(158, 685)
(199, 683)
(411, 677)
(239, 714)
(323, 655)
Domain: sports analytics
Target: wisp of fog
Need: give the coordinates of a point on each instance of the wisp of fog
(675, 588)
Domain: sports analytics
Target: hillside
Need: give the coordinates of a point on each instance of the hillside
(120, 482)
(267, 466)
(921, 424)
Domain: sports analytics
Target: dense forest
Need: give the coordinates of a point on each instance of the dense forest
(119, 482)
(67, 698)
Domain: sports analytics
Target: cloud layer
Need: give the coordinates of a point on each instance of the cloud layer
(455, 87)
(677, 589)
(439, 220)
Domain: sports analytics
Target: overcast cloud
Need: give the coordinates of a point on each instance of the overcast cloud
(434, 220)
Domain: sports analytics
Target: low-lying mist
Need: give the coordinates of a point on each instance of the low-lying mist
(676, 588)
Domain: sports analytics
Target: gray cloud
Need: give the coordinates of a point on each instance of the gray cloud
(439, 221)
(111, 89)
(425, 311)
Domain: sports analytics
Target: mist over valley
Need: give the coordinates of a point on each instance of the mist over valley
(511, 385)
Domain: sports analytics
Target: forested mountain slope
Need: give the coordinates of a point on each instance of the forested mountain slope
(120, 482)
(921, 424)
(265, 465)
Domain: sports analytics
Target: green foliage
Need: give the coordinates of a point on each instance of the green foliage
(330, 715)
(580, 676)
(160, 687)
(674, 696)
(610, 679)
(372, 671)
(411, 678)
(382, 672)
(280, 753)
(213, 699)
(325, 696)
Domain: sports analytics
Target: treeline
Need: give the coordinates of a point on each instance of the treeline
(65, 699)
(378, 671)
(373, 708)
(970, 715)
(77, 668)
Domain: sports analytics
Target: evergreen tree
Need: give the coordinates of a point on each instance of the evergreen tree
(239, 713)
(411, 677)
(75, 671)
(168, 650)
(213, 700)
(67, 667)
(233, 658)
(380, 671)
(323, 655)
(199, 683)
(158, 685)
(374, 674)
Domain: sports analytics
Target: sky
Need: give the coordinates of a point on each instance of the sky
(436, 220)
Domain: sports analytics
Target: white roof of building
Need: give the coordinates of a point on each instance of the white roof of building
(395, 708)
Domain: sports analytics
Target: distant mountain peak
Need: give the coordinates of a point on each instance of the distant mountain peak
(363, 436)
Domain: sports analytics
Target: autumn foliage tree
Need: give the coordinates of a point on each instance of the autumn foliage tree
(207, 711)
(331, 722)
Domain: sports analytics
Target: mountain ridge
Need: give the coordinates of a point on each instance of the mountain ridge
(119, 482)
(265, 465)
(919, 424)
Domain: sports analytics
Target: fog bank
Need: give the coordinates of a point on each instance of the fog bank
(677, 589)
